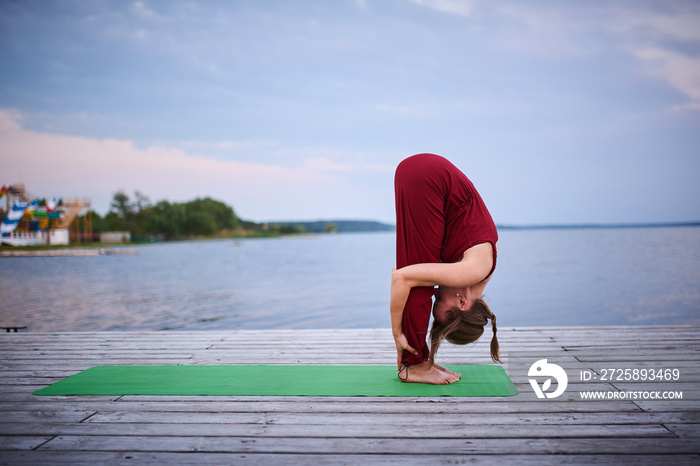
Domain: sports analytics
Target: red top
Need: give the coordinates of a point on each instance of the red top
(467, 221)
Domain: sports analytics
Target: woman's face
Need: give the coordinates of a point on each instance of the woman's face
(446, 298)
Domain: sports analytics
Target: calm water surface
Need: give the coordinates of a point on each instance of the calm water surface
(544, 277)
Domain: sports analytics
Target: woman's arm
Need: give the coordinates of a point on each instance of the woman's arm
(475, 265)
(400, 290)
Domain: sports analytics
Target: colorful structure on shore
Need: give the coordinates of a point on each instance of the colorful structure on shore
(32, 221)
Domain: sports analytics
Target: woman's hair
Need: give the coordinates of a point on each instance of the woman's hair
(464, 327)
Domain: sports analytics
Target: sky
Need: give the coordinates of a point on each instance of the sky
(559, 112)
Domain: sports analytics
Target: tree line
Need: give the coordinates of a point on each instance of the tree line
(170, 221)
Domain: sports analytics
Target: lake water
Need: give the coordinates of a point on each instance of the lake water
(544, 278)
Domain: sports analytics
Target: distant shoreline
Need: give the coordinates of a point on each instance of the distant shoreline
(598, 226)
(364, 226)
(369, 225)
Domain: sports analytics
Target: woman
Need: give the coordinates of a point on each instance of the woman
(445, 237)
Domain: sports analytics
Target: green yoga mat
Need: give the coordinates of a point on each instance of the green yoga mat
(477, 380)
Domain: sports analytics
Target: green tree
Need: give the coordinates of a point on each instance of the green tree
(121, 205)
(200, 217)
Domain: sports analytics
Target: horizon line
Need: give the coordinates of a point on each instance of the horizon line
(542, 226)
(562, 226)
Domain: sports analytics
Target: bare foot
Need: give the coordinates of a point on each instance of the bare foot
(427, 373)
(440, 368)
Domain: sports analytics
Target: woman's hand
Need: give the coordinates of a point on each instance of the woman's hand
(401, 345)
(400, 289)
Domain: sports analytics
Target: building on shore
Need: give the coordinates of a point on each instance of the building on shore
(29, 221)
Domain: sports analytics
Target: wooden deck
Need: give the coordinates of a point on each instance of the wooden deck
(352, 430)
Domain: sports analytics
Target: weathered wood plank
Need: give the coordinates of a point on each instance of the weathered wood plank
(669, 405)
(22, 442)
(177, 418)
(41, 417)
(370, 446)
(684, 430)
(467, 407)
(198, 427)
(50, 458)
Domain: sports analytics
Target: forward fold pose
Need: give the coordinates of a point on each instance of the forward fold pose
(445, 238)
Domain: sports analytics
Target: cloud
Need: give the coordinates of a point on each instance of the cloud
(682, 25)
(456, 7)
(544, 32)
(662, 42)
(70, 166)
(362, 4)
(681, 71)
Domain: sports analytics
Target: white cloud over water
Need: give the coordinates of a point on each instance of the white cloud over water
(72, 166)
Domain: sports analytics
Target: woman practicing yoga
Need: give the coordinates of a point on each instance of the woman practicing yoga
(445, 237)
